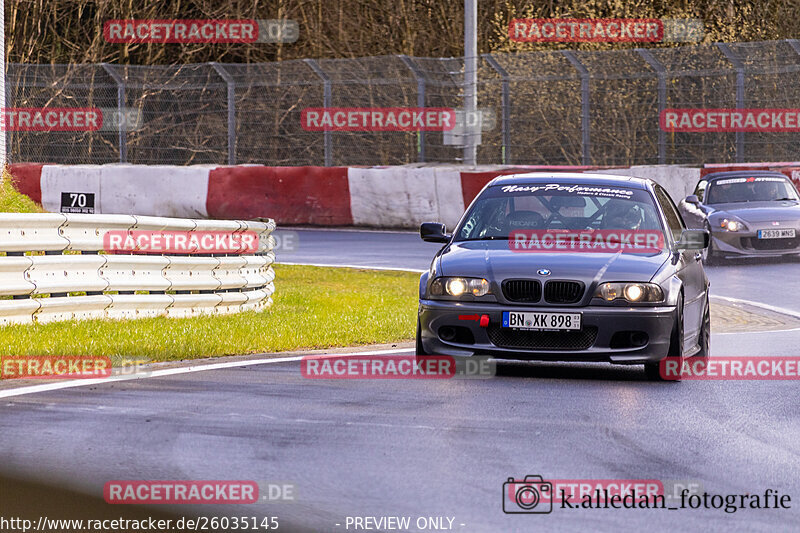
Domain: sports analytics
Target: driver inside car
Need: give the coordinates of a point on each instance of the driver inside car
(623, 214)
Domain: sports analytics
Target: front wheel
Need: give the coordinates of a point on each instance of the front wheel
(653, 370)
(420, 348)
(709, 258)
(705, 336)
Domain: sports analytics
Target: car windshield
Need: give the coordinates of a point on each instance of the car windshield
(750, 189)
(501, 210)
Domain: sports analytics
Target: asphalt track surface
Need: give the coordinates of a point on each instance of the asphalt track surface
(437, 448)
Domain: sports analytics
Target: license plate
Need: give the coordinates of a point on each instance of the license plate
(776, 234)
(541, 321)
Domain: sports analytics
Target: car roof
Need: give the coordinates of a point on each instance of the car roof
(742, 174)
(580, 178)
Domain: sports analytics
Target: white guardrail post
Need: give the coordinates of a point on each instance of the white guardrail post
(76, 280)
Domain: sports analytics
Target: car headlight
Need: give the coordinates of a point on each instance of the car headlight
(731, 225)
(452, 286)
(630, 292)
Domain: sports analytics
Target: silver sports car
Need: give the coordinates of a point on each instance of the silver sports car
(748, 213)
(546, 266)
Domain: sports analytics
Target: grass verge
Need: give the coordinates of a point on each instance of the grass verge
(12, 201)
(312, 307)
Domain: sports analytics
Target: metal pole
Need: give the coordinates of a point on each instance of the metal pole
(470, 77)
(420, 102)
(231, 85)
(122, 134)
(326, 103)
(3, 89)
(506, 116)
(737, 63)
(662, 100)
(586, 139)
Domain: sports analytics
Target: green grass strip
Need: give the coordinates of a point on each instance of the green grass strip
(312, 307)
(12, 201)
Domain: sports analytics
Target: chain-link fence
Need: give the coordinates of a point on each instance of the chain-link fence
(551, 107)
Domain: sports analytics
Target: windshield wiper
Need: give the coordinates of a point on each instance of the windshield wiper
(784, 199)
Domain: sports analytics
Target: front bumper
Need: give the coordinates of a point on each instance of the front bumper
(747, 243)
(595, 341)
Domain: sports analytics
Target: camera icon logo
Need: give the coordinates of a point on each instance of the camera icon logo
(531, 495)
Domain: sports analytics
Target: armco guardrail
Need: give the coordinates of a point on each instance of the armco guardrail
(124, 286)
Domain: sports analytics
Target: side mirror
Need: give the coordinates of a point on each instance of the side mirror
(693, 239)
(433, 232)
(692, 199)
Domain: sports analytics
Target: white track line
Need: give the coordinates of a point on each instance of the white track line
(781, 310)
(363, 267)
(752, 332)
(10, 393)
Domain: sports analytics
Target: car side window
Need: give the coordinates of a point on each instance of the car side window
(700, 190)
(674, 220)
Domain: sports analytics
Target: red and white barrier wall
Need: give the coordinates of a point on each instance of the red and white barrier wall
(389, 197)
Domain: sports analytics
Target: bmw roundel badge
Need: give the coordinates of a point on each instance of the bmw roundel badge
(543, 272)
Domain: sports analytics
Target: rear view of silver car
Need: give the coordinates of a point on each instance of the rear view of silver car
(488, 292)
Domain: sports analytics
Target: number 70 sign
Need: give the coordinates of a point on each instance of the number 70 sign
(77, 202)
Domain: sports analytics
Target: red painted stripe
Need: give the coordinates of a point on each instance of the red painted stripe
(290, 195)
(757, 166)
(788, 172)
(710, 169)
(473, 182)
(27, 179)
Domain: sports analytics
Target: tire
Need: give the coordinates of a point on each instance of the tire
(652, 370)
(705, 337)
(420, 351)
(709, 257)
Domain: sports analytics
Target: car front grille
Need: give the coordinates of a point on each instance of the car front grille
(542, 340)
(563, 292)
(522, 290)
(770, 244)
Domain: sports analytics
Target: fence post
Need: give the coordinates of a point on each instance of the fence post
(420, 101)
(231, 85)
(586, 139)
(737, 63)
(122, 134)
(470, 80)
(506, 102)
(326, 81)
(662, 100)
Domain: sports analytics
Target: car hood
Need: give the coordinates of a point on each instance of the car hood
(494, 261)
(761, 211)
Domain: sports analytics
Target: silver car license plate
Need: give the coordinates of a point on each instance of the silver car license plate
(541, 321)
(776, 234)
